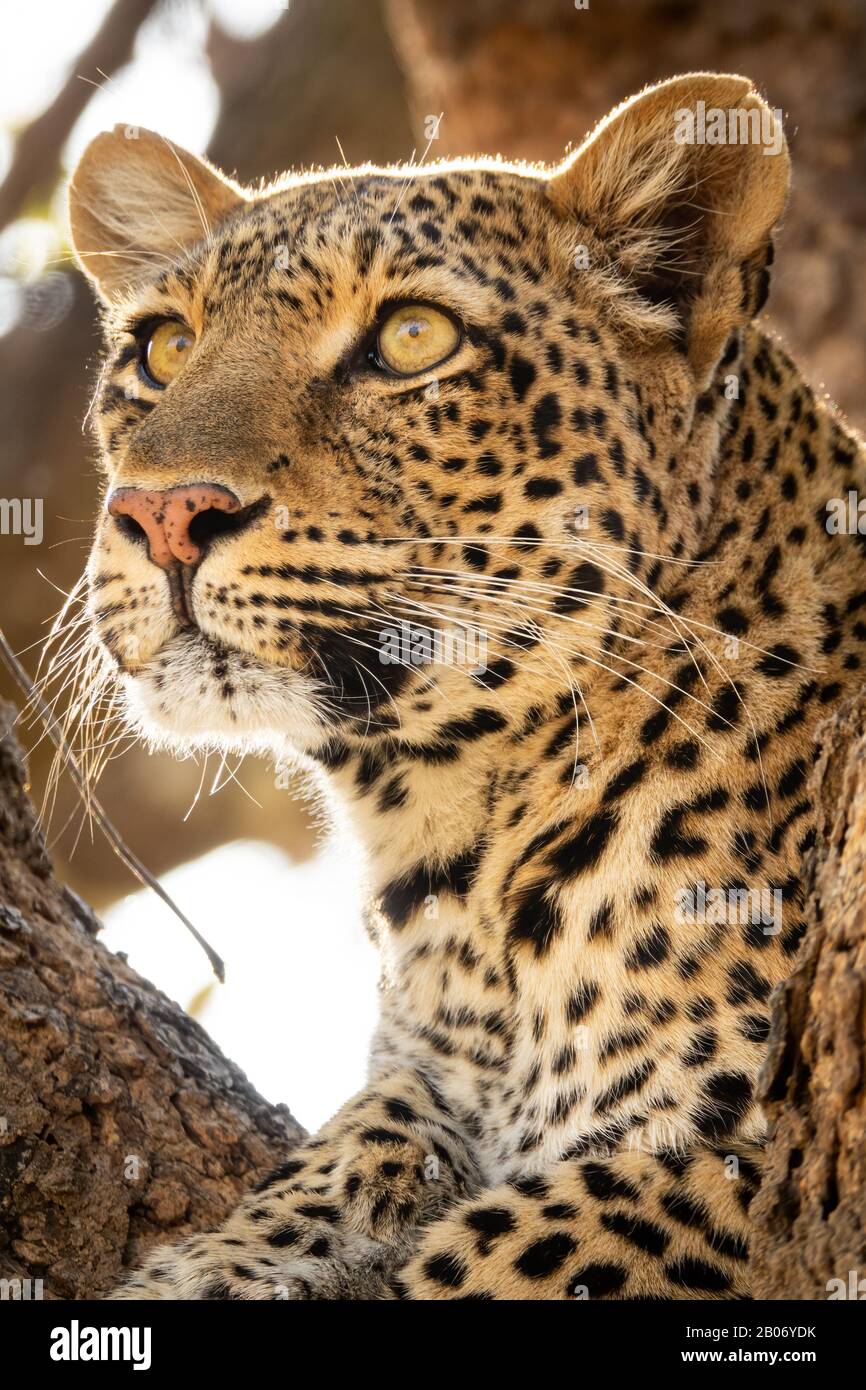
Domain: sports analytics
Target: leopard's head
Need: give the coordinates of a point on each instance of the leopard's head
(395, 452)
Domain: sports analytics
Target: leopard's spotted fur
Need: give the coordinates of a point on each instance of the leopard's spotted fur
(560, 1098)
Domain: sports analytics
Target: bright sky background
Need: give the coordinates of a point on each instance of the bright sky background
(167, 86)
(299, 1003)
(42, 41)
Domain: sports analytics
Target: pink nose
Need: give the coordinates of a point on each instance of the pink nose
(166, 517)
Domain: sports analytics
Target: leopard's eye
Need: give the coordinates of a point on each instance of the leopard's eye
(416, 338)
(167, 349)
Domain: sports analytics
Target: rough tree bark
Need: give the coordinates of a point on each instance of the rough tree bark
(121, 1123)
(810, 1214)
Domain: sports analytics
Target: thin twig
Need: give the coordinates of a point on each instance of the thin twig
(112, 835)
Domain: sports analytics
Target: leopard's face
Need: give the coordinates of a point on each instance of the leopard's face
(382, 450)
(371, 499)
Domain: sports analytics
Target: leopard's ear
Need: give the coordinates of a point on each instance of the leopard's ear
(682, 185)
(137, 202)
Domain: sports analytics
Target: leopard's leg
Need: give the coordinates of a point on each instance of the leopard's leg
(630, 1226)
(338, 1216)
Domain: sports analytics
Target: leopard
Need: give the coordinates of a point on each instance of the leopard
(532, 406)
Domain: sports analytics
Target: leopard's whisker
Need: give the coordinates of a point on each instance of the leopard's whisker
(555, 590)
(198, 792)
(585, 594)
(714, 661)
(541, 542)
(443, 614)
(547, 641)
(617, 571)
(358, 642)
(616, 656)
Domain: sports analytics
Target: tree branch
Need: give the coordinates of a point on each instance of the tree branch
(121, 1122)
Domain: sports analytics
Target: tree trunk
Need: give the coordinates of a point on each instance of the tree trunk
(810, 1215)
(121, 1123)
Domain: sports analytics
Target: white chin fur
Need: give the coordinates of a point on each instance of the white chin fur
(179, 701)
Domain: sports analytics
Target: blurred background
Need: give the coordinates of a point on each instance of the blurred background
(261, 86)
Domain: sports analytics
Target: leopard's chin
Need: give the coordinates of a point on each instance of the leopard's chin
(197, 694)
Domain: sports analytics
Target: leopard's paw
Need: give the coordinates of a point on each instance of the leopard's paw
(299, 1259)
(204, 1267)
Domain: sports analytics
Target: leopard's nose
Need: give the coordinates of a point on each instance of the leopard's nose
(178, 523)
